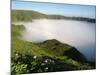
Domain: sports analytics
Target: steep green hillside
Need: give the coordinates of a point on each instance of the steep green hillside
(48, 56)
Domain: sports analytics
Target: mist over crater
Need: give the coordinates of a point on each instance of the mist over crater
(79, 34)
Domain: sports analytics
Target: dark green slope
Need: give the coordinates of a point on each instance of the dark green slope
(57, 48)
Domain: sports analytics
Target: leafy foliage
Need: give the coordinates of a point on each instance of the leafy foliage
(19, 68)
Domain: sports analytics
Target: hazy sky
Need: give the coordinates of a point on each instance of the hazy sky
(58, 9)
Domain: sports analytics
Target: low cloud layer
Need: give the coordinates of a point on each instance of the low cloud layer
(76, 33)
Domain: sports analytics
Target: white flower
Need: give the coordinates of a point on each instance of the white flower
(46, 68)
(46, 61)
(35, 57)
(16, 54)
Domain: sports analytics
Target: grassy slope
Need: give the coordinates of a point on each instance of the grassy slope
(21, 46)
(61, 49)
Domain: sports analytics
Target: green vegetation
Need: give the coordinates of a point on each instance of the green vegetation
(47, 56)
(60, 49)
(28, 15)
(23, 15)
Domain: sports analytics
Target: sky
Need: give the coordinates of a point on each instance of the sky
(72, 10)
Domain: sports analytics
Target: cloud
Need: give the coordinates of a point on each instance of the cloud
(76, 33)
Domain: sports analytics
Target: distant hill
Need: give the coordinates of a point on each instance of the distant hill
(28, 15)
